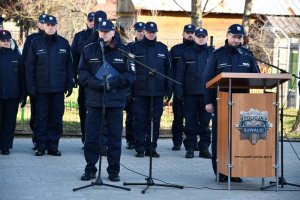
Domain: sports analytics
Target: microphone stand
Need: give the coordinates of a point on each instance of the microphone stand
(152, 73)
(98, 181)
(281, 180)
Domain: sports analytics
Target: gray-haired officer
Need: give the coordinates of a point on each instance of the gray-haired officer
(106, 92)
(176, 52)
(49, 74)
(77, 46)
(29, 39)
(226, 59)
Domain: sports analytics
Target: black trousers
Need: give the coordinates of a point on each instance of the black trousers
(114, 122)
(8, 116)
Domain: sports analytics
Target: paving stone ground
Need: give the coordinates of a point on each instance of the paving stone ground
(24, 176)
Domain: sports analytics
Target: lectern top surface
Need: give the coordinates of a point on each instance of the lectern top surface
(248, 80)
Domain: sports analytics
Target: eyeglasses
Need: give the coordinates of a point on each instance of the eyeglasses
(91, 20)
(5, 40)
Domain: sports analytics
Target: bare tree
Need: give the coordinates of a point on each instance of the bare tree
(196, 13)
(70, 13)
(247, 14)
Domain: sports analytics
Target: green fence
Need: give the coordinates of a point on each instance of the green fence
(71, 117)
(72, 122)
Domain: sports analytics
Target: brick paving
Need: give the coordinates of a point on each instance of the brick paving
(24, 176)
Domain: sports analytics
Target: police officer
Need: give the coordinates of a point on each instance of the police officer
(40, 26)
(129, 107)
(176, 52)
(226, 59)
(98, 17)
(12, 90)
(154, 54)
(77, 46)
(49, 73)
(104, 93)
(189, 71)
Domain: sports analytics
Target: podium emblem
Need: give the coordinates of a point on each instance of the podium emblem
(254, 125)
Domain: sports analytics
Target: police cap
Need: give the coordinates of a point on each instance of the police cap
(4, 35)
(42, 18)
(91, 16)
(139, 26)
(151, 27)
(105, 25)
(189, 28)
(49, 19)
(201, 31)
(236, 29)
(98, 17)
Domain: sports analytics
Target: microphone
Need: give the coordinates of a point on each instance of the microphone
(127, 54)
(101, 44)
(106, 74)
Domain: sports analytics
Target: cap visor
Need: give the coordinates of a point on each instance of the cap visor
(104, 29)
(201, 35)
(51, 23)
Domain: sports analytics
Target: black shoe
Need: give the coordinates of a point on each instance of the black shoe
(205, 154)
(5, 152)
(114, 178)
(176, 147)
(34, 147)
(189, 154)
(139, 155)
(224, 178)
(154, 154)
(88, 176)
(39, 152)
(130, 145)
(54, 152)
(236, 179)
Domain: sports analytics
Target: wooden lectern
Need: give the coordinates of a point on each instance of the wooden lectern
(247, 143)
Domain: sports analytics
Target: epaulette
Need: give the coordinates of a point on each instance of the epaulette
(218, 49)
(162, 44)
(92, 43)
(132, 43)
(60, 37)
(34, 39)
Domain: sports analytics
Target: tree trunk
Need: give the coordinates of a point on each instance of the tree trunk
(296, 125)
(196, 13)
(246, 16)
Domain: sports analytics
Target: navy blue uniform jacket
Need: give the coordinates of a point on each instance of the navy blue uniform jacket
(12, 79)
(227, 59)
(190, 68)
(90, 62)
(49, 65)
(155, 55)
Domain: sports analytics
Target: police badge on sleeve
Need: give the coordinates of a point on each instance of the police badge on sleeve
(254, 125)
